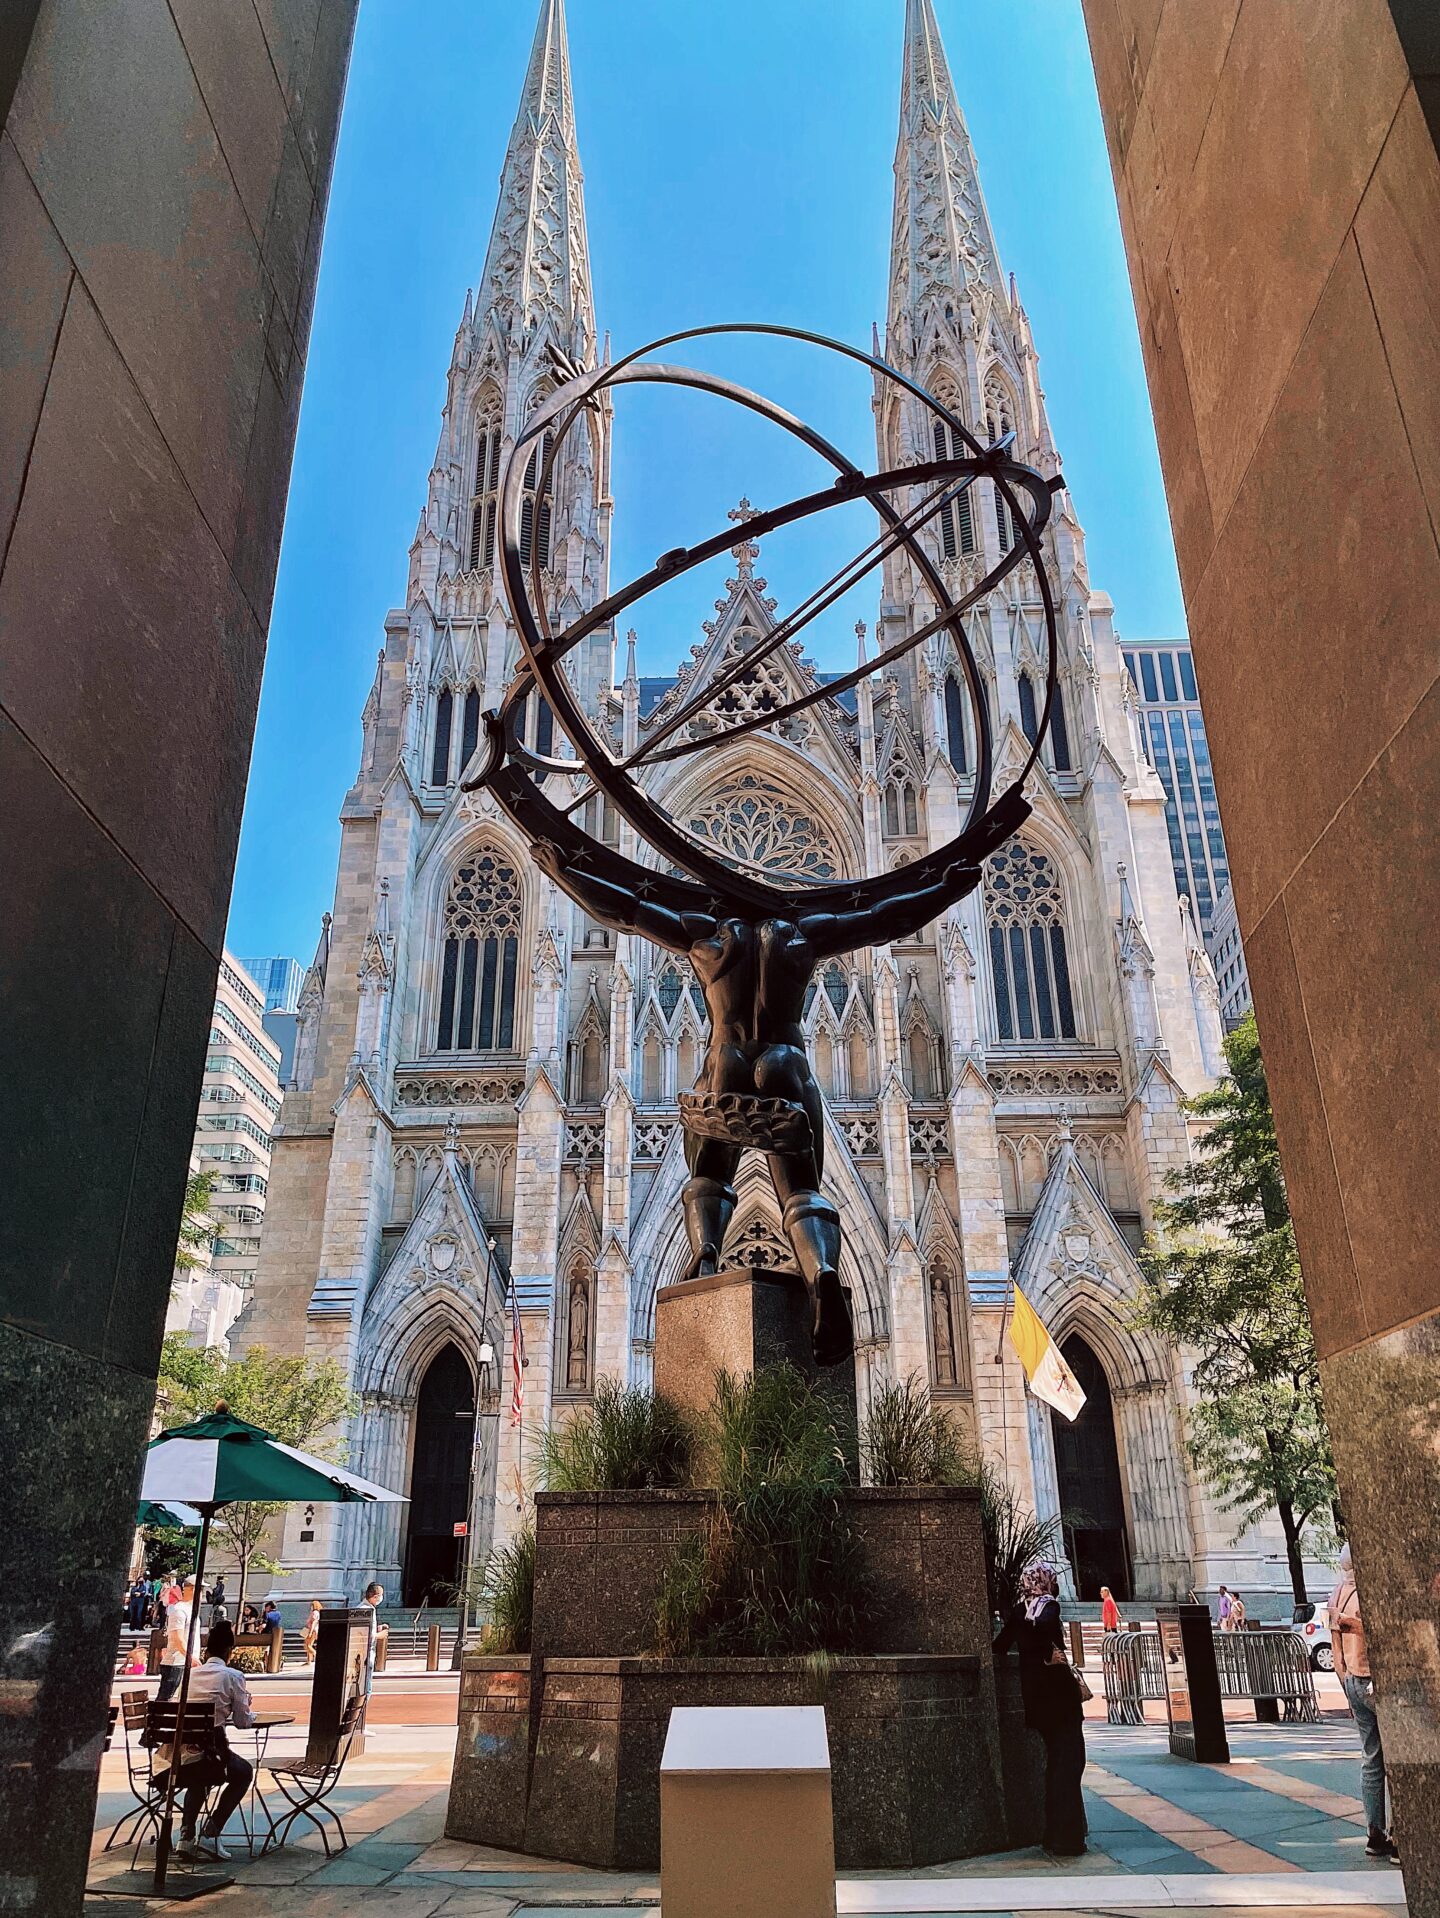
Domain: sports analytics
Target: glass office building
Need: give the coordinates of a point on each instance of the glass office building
(279, 981)
(1164, 676)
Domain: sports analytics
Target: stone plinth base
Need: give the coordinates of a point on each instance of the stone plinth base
(741, 1319)
(600, 1561)
(601, 1558)
(915, 1759)
(490, 1785)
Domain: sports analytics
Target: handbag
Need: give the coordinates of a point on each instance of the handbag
(1082, 1684)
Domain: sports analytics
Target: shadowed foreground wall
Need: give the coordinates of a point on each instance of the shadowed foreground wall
(1280, 197)
(163, 176)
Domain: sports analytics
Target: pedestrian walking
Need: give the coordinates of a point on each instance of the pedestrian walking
(177, 1635)
(311, 1633)
(1109, 1610)
(1050, 1692)
(1234, 1619)
(139, 1604)
(1352, 1668)
(218, 1608)
(372, 1601)
(1225, 1603)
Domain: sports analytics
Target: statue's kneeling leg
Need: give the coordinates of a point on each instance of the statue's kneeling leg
(812, 1226)
(709, 1206)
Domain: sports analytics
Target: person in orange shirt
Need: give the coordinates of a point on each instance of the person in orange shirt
(1109, 1610)
(1352, 1668)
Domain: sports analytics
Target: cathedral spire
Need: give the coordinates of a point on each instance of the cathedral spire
(537, 267)
(942, 246)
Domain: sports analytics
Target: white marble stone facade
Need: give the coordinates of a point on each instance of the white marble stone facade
(967, 1132)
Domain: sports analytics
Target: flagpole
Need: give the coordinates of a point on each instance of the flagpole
(1000, 1361)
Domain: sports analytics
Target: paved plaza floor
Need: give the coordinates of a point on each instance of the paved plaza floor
(1280, 1827)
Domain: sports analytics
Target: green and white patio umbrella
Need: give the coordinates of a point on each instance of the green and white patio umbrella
(174, 1516)
(220, 1460)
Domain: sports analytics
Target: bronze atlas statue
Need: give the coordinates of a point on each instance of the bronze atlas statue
(752, 940)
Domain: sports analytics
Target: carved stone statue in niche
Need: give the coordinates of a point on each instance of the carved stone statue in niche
(942, 1330)
(577, 1342)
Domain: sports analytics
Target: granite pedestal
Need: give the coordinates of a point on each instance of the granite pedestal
(739, 1320)
(559, 1752)
(915, 1755)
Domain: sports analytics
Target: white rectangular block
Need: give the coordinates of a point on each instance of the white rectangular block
(746, 1824)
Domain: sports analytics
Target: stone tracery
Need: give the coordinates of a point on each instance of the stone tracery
(753, 822)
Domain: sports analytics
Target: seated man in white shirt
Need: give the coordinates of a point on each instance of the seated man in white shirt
(219, 1684)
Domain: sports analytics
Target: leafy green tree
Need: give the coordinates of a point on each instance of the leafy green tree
(1223, 1281)
(298, 1401)
(197, 1228)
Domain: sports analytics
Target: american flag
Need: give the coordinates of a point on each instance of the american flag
(517, 1360)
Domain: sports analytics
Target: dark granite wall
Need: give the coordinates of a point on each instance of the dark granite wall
(163, 178)
(1279, 191)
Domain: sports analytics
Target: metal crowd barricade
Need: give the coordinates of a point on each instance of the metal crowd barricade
(1131, 1673)
(1266, 1664)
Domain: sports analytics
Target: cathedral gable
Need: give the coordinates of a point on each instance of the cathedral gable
(447, 1240)
(1072, 1237)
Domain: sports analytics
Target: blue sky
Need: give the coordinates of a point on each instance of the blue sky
(738, 166)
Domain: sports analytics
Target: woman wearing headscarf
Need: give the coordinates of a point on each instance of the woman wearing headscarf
(1051, 1695)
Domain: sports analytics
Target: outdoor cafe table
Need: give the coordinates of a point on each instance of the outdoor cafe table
(261, 1726)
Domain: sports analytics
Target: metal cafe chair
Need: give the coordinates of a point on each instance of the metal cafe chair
(163, 1727)
(306, 1784)
(140, 1774)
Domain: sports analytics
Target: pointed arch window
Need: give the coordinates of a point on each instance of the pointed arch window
(482, 507)
(480, 956)
(687, 1062)
(536, 503)
(837, 990)
(922, 1065)
(901, 811)
(1059, 731)
(444, 720)
(668, 989)
(1000, 420)
(1025, 922)
(823, 1048)
(956, 745)
(957, 516)
(1028, 724)
(587, 1061)
(650, 1069)
(470, 726)
(860, 1056)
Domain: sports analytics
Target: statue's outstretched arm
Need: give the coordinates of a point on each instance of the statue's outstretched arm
(896, 918)
(613, 906)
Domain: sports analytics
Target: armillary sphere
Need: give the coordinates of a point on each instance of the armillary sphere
(516, 773)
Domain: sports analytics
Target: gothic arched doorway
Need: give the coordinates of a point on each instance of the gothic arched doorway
(1087, 1468)
(439, 1478)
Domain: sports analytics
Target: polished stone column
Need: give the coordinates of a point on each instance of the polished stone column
(1279, 191)
(163, 177)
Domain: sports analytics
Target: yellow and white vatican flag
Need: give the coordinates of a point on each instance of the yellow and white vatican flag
(1050, 1378)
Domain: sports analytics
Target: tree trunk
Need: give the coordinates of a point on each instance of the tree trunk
(1292, 1549)
(240, 1595)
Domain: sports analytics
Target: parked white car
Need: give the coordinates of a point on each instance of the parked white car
(1311, 1625)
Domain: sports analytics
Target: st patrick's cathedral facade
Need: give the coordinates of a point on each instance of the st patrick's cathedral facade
(483, 1105)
